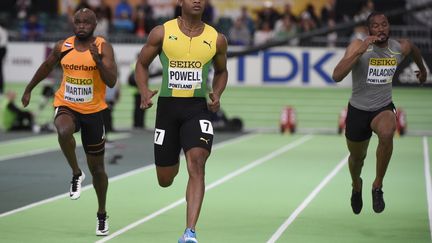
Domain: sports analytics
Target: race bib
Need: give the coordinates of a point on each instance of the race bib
(381, 70)
(184, 78)
(78, 90)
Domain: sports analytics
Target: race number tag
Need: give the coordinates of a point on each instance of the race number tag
(78, 90)
(381, 70)
(159, 136)
(206, 126)
(184, 78)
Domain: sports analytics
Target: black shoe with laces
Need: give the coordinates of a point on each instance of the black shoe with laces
(356, 200)
(102, 228)
(378, 203)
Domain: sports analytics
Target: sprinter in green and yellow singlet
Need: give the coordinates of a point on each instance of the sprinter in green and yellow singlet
(187, 48)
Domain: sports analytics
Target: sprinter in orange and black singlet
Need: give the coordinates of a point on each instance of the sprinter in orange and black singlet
(88, 67)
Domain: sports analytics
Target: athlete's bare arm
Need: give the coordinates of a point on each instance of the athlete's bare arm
(148, 53)
(44, 69)
(409, 49)
(352, 53)
(105, 62)
(220, 78)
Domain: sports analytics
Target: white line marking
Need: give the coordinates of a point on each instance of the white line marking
(84, 188)
(212, 185)
(118, 177)
(428, 180)
(44, 150)
(308, 199)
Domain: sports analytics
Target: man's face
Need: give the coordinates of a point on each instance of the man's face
(193, 7)
(84, 25)
(379, 26)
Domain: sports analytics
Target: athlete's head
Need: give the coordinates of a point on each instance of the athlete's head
(379, 26)
(192, 7)
(84, 23)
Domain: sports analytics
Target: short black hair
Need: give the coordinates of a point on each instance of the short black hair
(373, 14)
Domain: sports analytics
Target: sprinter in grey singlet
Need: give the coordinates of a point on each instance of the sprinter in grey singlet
(373, 62)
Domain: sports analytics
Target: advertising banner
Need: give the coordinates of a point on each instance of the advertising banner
(286, 66)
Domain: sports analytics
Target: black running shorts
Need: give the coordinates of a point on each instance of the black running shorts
(181, 123)
(358, 122)
(91, 126)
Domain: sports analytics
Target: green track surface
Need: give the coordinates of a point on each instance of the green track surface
(260, 107)
(269, 177)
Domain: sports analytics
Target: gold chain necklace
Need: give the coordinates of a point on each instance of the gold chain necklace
(189, 29)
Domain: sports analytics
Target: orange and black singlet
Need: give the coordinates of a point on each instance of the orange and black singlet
(82, 88)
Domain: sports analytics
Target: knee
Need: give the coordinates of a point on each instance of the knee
(386, 135)
(64, 132)
(358, 158)
(165, 182)
(196, 168)
(97, 169)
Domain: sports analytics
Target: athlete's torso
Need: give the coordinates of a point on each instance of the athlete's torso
(186, 61)
(82, 88)
(372, 76)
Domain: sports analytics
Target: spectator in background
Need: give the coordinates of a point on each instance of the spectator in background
(264, 34)
(138, 113)
(209, 13)
(286, 28)
(310, 10)
(122, 9)
(123, 23)
(332, 36)
(145, 7)
(23, 7)
(247, 20)
(104, 17)
(15, 119)
(287, 10)
(32, 29)
(366, 9)
(103, 24)
(3, 50)
(239, 33)
(143, 24)
(328, 11)
(267, 16)
(123, 17)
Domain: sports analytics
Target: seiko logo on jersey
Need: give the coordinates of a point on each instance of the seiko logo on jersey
(185, 64)
(78, 90)
(383, 61)
(381, 70)
(79, 67)
(79, 81)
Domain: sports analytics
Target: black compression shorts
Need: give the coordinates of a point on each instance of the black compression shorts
(181, 123)
(91, 126)
(358, 122)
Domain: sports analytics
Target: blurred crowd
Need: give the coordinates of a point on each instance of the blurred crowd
(251, 26)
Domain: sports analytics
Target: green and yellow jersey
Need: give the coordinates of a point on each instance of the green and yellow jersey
(186, 61)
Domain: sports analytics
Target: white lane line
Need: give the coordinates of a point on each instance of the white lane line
(306, 202)
(84, 188)
(212, 185)
(428, 180)
(115, 178)
(46, 150)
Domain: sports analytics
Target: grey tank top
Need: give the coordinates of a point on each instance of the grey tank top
(372, 76)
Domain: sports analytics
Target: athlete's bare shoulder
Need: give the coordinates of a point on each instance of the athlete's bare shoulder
(156, 35)
(221, 43)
